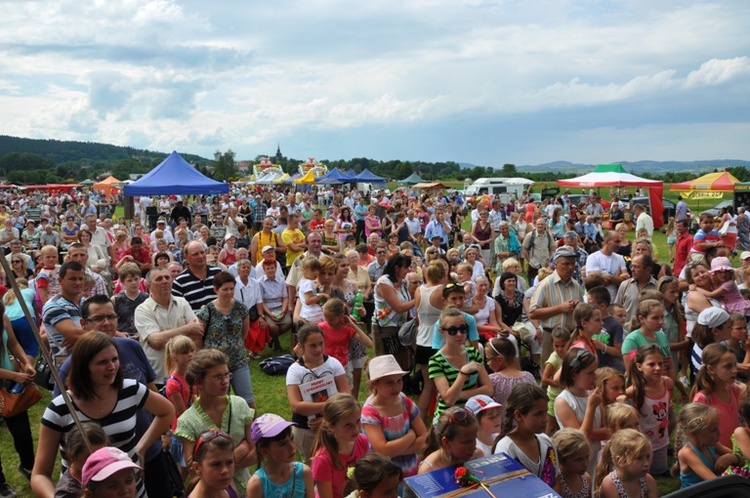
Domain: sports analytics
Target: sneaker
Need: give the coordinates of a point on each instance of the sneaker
(6, 491)
(24, 472)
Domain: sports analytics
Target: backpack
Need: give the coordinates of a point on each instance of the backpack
(278, 365)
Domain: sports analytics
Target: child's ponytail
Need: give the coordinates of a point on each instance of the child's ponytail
(704, 381)
(635, 376)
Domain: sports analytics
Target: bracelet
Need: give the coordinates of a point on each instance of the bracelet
(740, 459)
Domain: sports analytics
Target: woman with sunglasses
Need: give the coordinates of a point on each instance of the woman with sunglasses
(216, 409)
(20, 267)
(458, 370)
(100, 394)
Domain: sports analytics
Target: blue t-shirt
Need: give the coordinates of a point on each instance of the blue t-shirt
(438, 341)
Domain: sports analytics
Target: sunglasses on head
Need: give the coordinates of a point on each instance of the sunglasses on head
(207, 437)
(579, 358)
(464, 329)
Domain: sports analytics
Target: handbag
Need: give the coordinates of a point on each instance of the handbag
(13, 404)
(43, 376)
(407, 333)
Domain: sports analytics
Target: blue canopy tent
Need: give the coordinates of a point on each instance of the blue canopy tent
(351, 172)
(369, 177)
(175, 176)
(335, 176)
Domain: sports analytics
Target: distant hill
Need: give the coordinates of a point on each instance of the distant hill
(59, 151)
(635, 167)
(638, 167)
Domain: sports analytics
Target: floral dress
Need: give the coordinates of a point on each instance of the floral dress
(384, 316)
(224, 332)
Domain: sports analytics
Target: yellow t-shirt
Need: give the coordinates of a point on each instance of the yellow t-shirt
(292, 237)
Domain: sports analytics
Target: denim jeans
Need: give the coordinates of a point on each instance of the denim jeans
(242, 384)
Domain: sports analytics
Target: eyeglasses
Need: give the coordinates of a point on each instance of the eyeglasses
(220, 377)
(17, 261)
(207, 437)
(101, 318)
(379, 252)
(464, 329)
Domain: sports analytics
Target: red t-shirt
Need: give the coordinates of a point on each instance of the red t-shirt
(337, 341)
(315, 224)
(177, 384)
(141, 256)
(324, 471)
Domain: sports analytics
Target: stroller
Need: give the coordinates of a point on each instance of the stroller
(526, 359)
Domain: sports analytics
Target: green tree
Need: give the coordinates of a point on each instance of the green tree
(224, 166)
(509, 170)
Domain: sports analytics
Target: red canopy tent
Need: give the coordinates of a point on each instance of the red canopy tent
(614, 175)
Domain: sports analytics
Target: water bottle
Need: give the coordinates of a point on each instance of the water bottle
(17, 388)
(358, 301)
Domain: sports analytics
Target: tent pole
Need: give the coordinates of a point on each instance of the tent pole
(43, 349)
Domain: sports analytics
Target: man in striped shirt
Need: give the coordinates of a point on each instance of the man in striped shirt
(196, 283)
(556, 297)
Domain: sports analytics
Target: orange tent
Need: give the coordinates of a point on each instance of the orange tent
(108, 185)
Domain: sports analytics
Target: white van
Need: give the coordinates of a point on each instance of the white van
(502, 188)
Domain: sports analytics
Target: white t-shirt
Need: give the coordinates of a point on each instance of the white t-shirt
(506, 445)
(483, 316)
(297, 374)
(609, 265)
(312, 313)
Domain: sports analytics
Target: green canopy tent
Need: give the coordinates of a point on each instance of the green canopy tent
(412, 179)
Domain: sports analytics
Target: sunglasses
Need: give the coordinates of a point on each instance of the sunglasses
(207, 437)
(464, 329)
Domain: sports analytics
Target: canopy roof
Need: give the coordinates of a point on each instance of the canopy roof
(614, 175)
(175, 176)
(307, 179)
(282, 178)
(716, 182)
(609, 175)
(108, 184)
(412, 179)
(368, 176)
(336, 176)
(430, 185)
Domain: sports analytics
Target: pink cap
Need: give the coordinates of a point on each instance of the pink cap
(104, 463)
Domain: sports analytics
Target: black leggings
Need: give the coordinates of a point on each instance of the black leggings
(20, 429)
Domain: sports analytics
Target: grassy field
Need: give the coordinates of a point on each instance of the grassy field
(270, 392)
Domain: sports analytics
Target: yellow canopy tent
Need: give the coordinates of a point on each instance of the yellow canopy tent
(712, 185)
(282, 178)
(107, 185)
(307, 179)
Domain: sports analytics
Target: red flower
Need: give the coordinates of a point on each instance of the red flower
(461, 472)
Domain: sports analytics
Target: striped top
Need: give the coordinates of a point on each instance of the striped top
(394, 428)
(197, 292)
(552, 291)
(119, 424)
(55, 311)
(439, 366)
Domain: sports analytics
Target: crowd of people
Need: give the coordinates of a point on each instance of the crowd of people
(541, 329)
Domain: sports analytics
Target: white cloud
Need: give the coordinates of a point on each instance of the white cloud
(198, 76)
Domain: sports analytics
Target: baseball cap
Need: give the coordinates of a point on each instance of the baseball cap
(106, 462)
(267, 248)
(230, 235)
(480, 403)
(713, 317)
(564, 252)
(268, 425)
(745, 255)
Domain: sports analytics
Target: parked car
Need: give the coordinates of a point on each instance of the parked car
(716, 210)
(670, 208)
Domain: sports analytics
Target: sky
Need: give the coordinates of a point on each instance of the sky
(486, 82)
